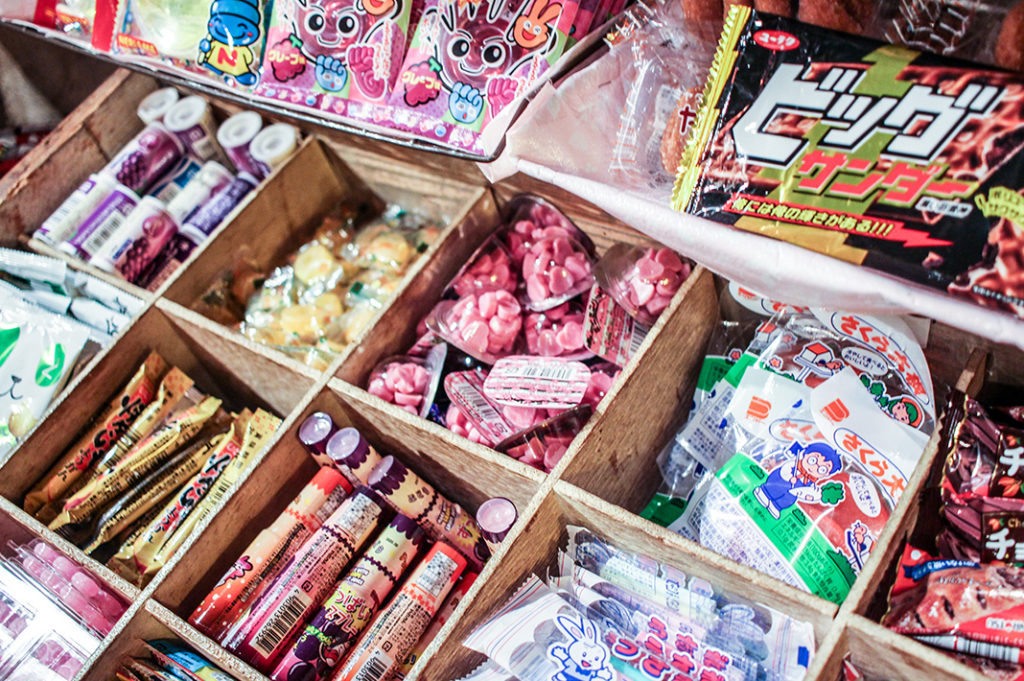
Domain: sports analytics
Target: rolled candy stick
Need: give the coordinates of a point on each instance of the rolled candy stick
(303, 584)
(444, 520)
(496, 516)
(108, 427)
(450, 605)
(268, 553)
(349, 609)
(314, 433)
(396, 629)
(349, 451)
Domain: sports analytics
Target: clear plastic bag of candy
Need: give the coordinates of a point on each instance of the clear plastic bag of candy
(485, 325)
(557, 332)
(544, 444)
(642, 279)
(529, 219)
(409, 382)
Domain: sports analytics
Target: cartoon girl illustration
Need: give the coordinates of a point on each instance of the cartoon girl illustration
(234, 25)
(799, 479)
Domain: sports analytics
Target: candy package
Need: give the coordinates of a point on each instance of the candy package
(38, 351)
(468, 61)
(642, 279)
(222, 39)
(958, 605)
(863, 151)
(409, 382)
(322, 55)
(799, 432)
(331, 289)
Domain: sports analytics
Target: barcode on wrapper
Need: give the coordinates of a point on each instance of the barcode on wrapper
(549, 372)
(103, 233)
(375, 668)
(636, 338)
(436, 574)
(281, 623)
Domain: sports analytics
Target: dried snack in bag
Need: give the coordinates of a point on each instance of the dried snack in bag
(882, 156)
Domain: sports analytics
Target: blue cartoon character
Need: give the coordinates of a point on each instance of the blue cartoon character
(585, 658)
(233, 26)
(799, 480)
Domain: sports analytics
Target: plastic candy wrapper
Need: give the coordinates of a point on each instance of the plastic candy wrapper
(222, 39)
(556, 332)
(409, 382)
(467, 62)
(93, 604)
(485, 325)
(642, 279)
(322, 55)
(981, 479)
(529, 219)
(555, 270)
(615, 613)
(670, 63)
(172, 661)
(42, 638)
(804, 431)
(330, 290)
(38, 350)
(544, 444)
(871, 183)
(958, 605)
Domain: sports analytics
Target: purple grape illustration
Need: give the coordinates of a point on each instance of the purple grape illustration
(131, 171)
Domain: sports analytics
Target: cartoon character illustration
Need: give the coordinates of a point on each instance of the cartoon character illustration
(531, 29)
(48, 371)
(903, 408)
(585, 658)
(241, 567)
(481, 58)
(341, 39)
(859, 541)
(817, 359)
(799, 480)
(233, 26)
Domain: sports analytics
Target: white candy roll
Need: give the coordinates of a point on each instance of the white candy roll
(155, 105)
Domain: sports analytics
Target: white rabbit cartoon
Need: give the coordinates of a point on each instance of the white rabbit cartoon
(586, 658)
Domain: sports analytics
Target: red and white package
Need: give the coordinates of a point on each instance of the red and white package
(537, 382)
(608, 330)
(475, 410)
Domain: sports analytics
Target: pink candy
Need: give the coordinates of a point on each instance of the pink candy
(402, 383)
(555, 269)
(486, 324)
(524, 417)
(460, 425)
(601, 380)
(649, 286)
(556, 332)
(491, 272)
(524, 233)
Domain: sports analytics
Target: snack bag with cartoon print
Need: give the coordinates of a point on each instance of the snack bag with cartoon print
(321, 53)
(469, 60)
(38, 351)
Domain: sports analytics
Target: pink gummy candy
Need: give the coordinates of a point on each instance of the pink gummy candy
(488, 323)
(45, 552)
(653, 280)
(598, 386)
(65, 567)
(555, 332)
(553, 268)
(491, 272)
(460, 425)
(85, 584)
(402, 383)
(108, 605)
(554, 454)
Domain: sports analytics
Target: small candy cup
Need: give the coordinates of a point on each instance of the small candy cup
(602, 378)
(486, 326)
(642, 279)
(528, 219)
(409, 382)
(555, 270)
(557, 332)
(491, 268)
(544, 445)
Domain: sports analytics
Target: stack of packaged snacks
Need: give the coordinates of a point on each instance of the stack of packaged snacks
(359, 572)
(53, 613)
(148, 470)
(171, 660)
(963, 591)
(607, 613)
(167, 190)
(805, 429)
(531, 334)
(328, 291)
(52, 321)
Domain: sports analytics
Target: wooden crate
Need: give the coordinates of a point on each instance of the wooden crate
(605, 478)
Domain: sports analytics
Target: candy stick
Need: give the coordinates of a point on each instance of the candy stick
(396, 629)
(279, 614)
(496, 516)
(346, 612)
(268, 553)
(441, 518)
(443, 615)
(314, 433)
(352, 454)
(110, 425)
